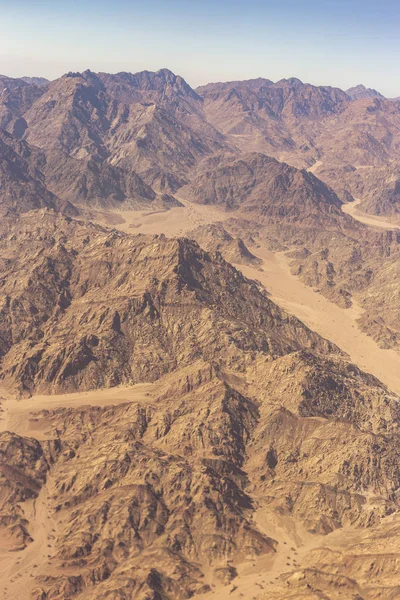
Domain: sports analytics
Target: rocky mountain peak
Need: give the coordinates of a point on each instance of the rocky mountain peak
(293, 82)
(35, 80)
(360, 91)
(163, 81)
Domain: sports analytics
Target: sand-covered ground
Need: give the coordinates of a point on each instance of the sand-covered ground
(337, 324)
(352, 209)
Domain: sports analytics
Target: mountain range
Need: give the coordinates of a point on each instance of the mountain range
(174, 423)
(116, 134)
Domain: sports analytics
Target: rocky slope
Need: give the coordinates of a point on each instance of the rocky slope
(158, 497)
(142, 306)
(171, 490)
(150, 123)
(16, 97)
(360, 91)
(22, 184)
(380, 192)
(35, 80)
(366, 270)
(263, 188)
(215, 238)
(24, 464)
(322, 128)
(284, 208)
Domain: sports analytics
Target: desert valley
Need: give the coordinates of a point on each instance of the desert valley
(199, 339)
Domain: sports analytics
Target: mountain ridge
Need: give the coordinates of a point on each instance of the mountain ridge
(126, 122)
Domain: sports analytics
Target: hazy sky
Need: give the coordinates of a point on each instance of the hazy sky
(336, 42)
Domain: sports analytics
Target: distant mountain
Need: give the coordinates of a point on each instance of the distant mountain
(149, 123)
(113, 140)
(124, 140)
(316, 127)
(360, 91)
(239, 107)
(262, 187)
(255, 84)
(16, 97)
(36, 80)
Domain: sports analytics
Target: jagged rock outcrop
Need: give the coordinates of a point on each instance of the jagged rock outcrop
(150, 497)
(334, 133)
(149, 123)
(154, 125)
(16, 97)
(24, 464)
(36, 80)
(215, 238)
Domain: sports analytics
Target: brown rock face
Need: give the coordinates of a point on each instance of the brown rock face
(146, 497)
(363, 269)
(111, 125)
(118, 133)
(119, 292)
(261, 187)
(249, 411)
(22, 186)
(215, 238)
(339, 135)
(360, 91)
(16, 97)
(24, 464)
(283, 207)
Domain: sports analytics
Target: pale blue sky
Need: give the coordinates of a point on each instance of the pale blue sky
(336, 42)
